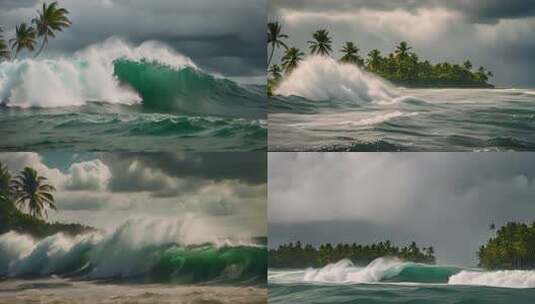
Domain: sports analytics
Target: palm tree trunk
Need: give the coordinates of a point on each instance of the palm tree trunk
(40, 49)
(271, 55)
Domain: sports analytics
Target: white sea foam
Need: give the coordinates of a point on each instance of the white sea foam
(345, 272)
(88, 75)
(504, 278)
(323, 78)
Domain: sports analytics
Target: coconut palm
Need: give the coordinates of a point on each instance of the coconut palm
(4, 48)
(276, 72)
(374, 60)
(291, 59)
(321, 45)
(31, 189)
(351, 54)
(50, 19)
(24, 39)
(402, 50)
(274, 37)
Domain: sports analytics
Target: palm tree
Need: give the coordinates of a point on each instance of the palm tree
(374, 60)
(274, 37)
(351, 54)
(31, 189)
(291, 59)
(50, 19)
(276, 72)
(402, 50)
(4, 48)
(25, 39)
(321, 44)
(468, 65)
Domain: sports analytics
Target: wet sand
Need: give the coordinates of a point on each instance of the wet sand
(59, 291)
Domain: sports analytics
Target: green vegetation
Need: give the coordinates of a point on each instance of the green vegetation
(49, 21)
(402, 67)
(299, 256)
(29, 191)
(513, 247)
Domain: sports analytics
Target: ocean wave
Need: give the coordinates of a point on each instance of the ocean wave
(321, 78)
(145, 250)
(117, 72)
(381, 270)
(504, 278)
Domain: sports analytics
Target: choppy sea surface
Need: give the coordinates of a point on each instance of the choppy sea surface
(390, 281)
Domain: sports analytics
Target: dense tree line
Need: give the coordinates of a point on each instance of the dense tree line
(24, 203)
(513, 247)
(402, 66)
(302, 256)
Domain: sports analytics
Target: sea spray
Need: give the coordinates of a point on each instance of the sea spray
(146, 250)
(322, 78)
(345, 272)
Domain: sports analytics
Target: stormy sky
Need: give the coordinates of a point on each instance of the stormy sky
(225, 37)
(496, 34)
(446, 200)
(224, 190)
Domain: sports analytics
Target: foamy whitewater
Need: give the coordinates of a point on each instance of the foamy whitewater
(118, 96)
(323, 78)
(146, 250)
(86, 76)
(395, 281)
(324, 105)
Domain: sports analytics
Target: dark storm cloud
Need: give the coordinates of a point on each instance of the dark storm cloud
(478, 10)
(196, 168)
(446, 200)
(212, 32)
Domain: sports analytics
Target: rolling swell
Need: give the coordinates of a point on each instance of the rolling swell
(131, 254)
(188, 90)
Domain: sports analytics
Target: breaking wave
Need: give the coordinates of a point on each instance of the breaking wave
(321, 78)
(139, 250)
(395, 271)
(114, 71)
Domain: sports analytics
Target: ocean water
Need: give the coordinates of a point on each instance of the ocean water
(392, 281)
(141, 261)
(327, 106)
(115, 96)
(65, 291)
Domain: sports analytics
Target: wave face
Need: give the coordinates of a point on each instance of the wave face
(116, 72)
(321, 78)
(139, 250)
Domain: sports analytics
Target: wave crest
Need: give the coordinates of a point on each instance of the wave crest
(321, 78)
(147, 250)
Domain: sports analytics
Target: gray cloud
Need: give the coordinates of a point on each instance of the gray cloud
(446, 200)
(478, 10)
(213, 33)
(496, 34)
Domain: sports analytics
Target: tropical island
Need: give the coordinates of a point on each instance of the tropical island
(24, 203)
(303, 256)
(402, 67)
(513, 247)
